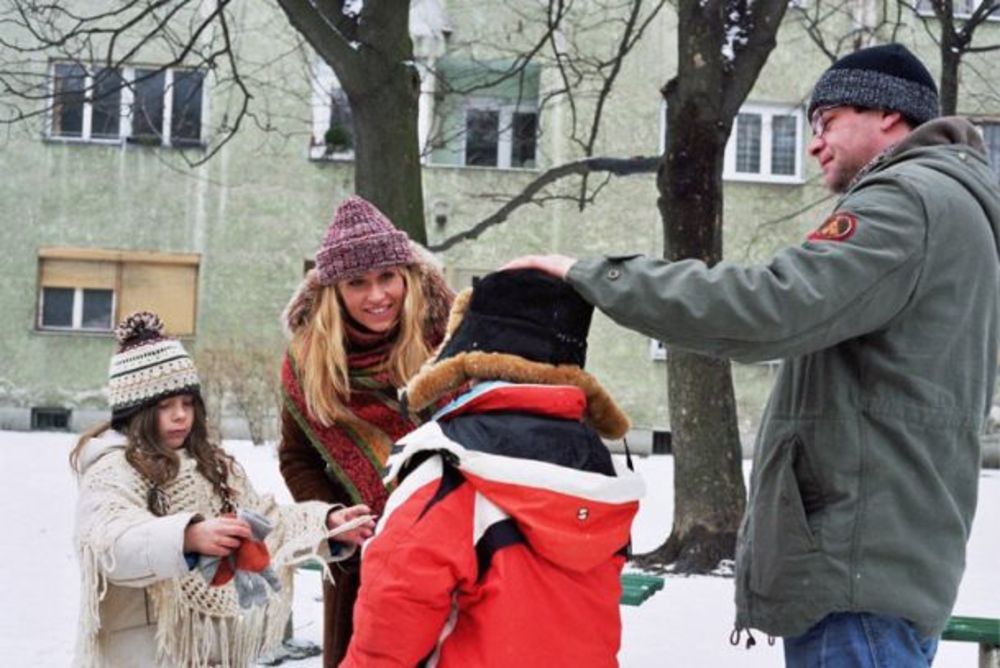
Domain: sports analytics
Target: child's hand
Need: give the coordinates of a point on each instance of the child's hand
(216, 537)
(352, 525)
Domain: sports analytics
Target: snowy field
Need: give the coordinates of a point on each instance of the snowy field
(685, 625)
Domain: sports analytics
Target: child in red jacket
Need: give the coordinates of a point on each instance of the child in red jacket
(504, 541)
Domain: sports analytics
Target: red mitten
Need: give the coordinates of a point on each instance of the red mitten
(251, 555)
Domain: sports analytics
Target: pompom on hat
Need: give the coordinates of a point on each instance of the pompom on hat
(887, 77)
(360, 239)
(147, 368)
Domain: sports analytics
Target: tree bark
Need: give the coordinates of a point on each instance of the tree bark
(951, 50)
(372, 56)
(702, 101)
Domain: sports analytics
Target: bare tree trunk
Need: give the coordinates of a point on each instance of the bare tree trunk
(702, 101)
(709, 494)
(951, 58)
(387, 167)
(372, 56)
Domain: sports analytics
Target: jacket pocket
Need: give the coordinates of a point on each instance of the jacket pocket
(783, 542)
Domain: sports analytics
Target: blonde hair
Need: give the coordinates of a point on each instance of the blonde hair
(319, 349)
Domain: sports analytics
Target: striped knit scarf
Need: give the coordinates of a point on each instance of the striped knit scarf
(355, 448)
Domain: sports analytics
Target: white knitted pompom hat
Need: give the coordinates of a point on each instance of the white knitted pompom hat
(148, 367)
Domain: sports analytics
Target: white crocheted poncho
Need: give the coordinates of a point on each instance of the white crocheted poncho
(196, 624)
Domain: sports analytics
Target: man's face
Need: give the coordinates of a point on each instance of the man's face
(844, 140)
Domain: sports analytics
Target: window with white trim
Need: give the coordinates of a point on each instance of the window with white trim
(135, 104)
(991, 138)
(76, 308)
(333, 121)
(499, 135)
(962, 9)
(486, 115)
(89, 290)
(765, 145)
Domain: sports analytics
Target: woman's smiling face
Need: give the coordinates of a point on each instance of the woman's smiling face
(374, 299)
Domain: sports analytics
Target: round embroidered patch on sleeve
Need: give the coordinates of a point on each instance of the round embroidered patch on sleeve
(838, 227)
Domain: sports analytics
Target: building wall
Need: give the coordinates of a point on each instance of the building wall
(256, 211)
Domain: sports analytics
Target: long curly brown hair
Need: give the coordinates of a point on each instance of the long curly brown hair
(159, 464)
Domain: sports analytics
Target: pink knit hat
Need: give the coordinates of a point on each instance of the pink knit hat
(360, 239)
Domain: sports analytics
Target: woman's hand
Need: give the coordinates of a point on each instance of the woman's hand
(216, 537)
(360, 516)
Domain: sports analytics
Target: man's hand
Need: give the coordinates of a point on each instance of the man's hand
(555, 265)
(217, 537)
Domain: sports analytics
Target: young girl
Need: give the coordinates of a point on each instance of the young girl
(363, 321)
(154, 505)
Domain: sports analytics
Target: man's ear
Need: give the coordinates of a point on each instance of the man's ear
(891, 119)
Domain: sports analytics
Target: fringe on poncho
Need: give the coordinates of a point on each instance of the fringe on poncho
(196, 625)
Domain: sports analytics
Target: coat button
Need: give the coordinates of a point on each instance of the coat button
(582, 514)
(614, 273)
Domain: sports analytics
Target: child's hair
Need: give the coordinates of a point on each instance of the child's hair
(159, 464)
(320, 352)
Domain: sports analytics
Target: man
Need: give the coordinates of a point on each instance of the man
(866, 463)
(504, 542)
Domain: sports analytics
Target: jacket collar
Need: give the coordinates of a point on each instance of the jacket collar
(565, 402)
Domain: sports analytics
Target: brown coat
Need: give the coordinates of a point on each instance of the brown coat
(304, 472)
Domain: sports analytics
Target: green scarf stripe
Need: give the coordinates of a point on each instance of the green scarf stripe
(332, 465)
(317, 444)
(358, 441)
(369, 383)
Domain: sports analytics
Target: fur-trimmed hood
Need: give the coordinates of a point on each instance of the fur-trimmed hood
(436, 293)
(438, 378)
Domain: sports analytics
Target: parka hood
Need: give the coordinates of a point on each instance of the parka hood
(96, 448)
(953, 146)
(567, 511)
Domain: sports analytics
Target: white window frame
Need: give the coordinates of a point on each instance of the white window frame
(505, 130)
(324, 83)
(767, 112)
(88, 109)
(963, 9)
(729, 172)
(77, 318)
(993, 122)
(126, 101)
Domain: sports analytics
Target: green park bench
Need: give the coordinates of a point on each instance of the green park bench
(636, 587)
(980, 630)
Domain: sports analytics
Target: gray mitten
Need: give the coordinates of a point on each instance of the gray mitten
(249, 566)
(250, 589)
(260, 526)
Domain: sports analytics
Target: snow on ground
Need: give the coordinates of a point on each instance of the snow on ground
(685, 625)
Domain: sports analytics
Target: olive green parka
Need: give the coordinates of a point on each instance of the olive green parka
(866, 464)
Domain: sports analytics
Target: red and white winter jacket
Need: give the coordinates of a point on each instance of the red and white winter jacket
(503, 544)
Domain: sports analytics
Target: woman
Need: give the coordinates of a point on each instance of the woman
(178, 554)
(362, 322)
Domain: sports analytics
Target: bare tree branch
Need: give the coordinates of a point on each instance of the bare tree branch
(615, 166)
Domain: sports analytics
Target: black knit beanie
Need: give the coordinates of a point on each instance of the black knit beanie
(879, 77)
